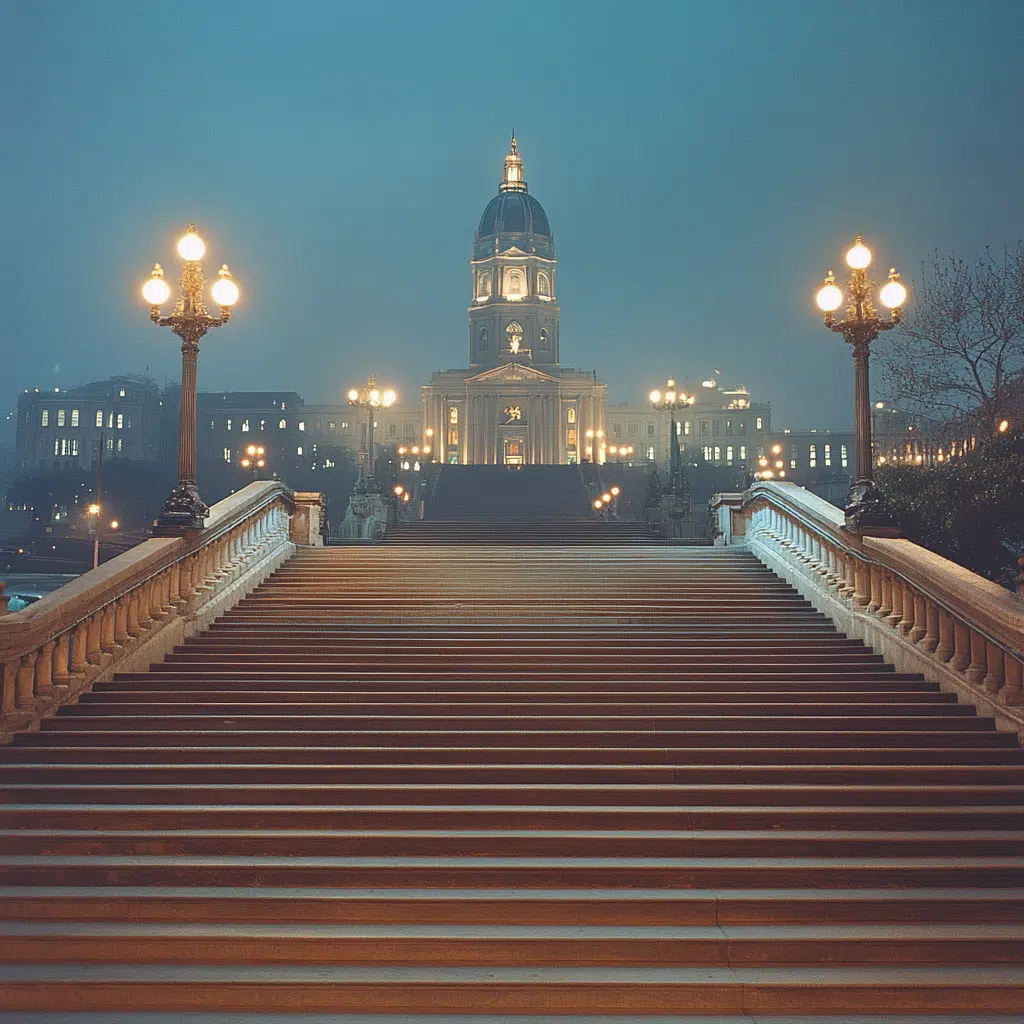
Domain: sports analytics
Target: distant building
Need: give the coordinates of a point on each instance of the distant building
(64, 429)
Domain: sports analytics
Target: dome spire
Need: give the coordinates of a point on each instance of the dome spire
(513, 180)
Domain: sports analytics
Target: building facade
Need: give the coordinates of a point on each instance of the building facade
(514, 404)
(60, 430)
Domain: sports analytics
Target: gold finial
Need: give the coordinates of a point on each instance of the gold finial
(513, 140)
(513, 180)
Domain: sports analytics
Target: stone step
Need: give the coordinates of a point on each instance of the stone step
(513, 990)
(510, 840)
(594, 907)
(418, 872)
(509, 944)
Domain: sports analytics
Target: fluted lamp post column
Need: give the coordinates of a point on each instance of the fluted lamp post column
(185, 510)
(370, 398)
(865, 507)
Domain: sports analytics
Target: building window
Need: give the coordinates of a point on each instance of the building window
(650, 430)
(119, 444)
(60, 417)
(650, 453)
(302, 424)
(759, 423)
(543, 285)
(110, 421)
(483, 337)
(392, 430)
(74, 446)
(120, 421)
(298, 451)
(706, 452)
(44, 419)
(74, 417)
(812, 456)
(245, 426)
(226, 454)
(570, 416)
(515, 283)
(99, 417)
(828, 455)
(110, 444)
(842, 456)
(263, 424)
(122, 393)
(728, 453)
(282, 424)
(743, 453)
(453, 435)
(483, 284)
(56, 446)
(617, 431)
(453, 414)
(570, 437)
(543, 337)
(634, 429)
(728, 428)
(704, 428)
(741, 427)
(718, 454)
(792, 456)
(514, 334)
(687, 428)
(716, 428)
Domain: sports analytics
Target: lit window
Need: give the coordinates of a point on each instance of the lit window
(728, 428)
(99, 417)
(44, 420)
(571, 415)
(842, 455)
(570, 437)
(298, 451)
(60, 417)
(515, 283)
(743, 453)
(483, 284)
(650, 453)
(706, 451)
(453, 435)
(543, 337)
(728, 453)
(119, 443)
(263, 424)
(110, 444)
(344, 425)
(828, 455)
(759, 424)
(74, 446)
(227, 454)
(543, 285)
(332, 425)
(245, 426)
(282, 424)
(74, 417)
(56, 446)
(687, 428)
(679, 428)
(741, 427)
(122, 393)
(302, 424)
(812, 456)
(120, 421)
(229, 424)
(718, 454)
(453, 414)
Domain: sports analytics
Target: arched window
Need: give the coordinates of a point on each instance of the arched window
(282, 424)
(453, 414)
(571, 415)
(483, 337)
(483, 284)
(543, 285)
(543, 337)
(515, 283)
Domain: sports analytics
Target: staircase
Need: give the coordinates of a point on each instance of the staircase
(515, 784)
(522, 505)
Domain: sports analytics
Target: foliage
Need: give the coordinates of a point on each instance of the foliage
(959, 355)
(969, 510)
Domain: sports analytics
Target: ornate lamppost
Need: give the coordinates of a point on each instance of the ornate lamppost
(672, 400)
(865, 507)
(185, 509)
(371, 399)
(254, 460)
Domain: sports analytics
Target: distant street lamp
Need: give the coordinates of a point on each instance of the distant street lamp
(185, 509)
(253, 460)
(671, 400)
(371, 399)
(865, 506)
(94, 528)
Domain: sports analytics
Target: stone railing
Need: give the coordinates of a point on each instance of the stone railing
(922, 612)
(134, 609)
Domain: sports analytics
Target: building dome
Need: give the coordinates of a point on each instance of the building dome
(513, 217)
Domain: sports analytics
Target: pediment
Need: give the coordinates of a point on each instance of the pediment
(513, 250)
(511, 371)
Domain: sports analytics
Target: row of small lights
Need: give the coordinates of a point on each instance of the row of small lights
(606, 499)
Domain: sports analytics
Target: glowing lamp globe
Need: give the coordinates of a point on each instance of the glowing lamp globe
(191, 247)
(655, 397)
(388, 398)
(375, 397)
(829, 298)
(859, 257)
(225, 291)
(353, 395)
(893, 294)
(156, 291)
(598, 503)
(670, 397)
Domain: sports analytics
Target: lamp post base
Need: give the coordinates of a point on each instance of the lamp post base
(867, 511)
(184, 510)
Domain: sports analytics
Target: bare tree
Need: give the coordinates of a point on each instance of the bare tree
(960, 353)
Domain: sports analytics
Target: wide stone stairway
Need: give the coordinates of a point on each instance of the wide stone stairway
(515, 784)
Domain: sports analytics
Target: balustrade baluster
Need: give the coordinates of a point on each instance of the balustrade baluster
(961, 646)
(1012, 692)
(930, 640)
(10, 682)
(79, 640)
(121, 637)
(995, 672)
(874, 589)
(44, 669)
(920, 627)
(93, 629)
(906, 623)
(861, 594)
(976, 670)
(885, 583)
(24, 698)
(895, 616)
(62, 660)
(946, 637)
(108, 644)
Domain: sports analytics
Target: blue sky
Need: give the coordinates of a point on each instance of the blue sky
(702, 164)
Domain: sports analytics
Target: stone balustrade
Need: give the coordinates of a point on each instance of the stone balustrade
(922, 612)
(134, 609)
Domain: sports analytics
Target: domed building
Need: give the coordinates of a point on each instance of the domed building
(514, 404)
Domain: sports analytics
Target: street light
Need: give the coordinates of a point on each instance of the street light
(672, 399)
(185, 509)
(370, 398)
(865, 507)
(94, 528)
(253, 459)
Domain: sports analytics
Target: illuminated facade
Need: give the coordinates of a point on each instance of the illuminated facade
(514, 403)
